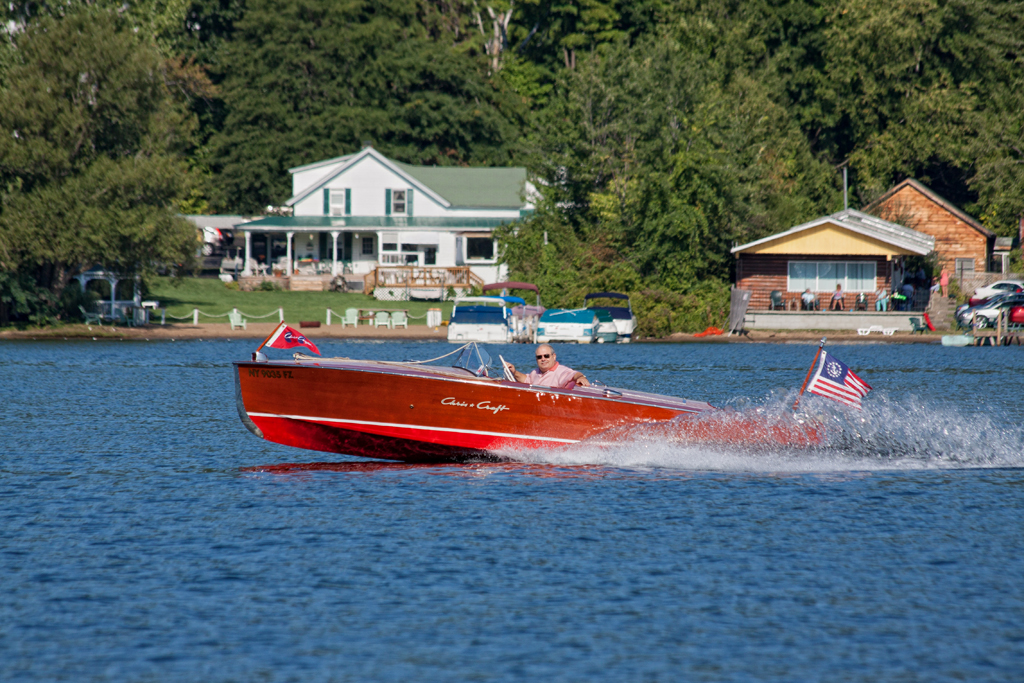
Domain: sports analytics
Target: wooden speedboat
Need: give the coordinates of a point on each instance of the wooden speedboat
(418, 412)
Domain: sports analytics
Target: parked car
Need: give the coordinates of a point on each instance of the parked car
(985, 314)
(1001, 287)
(964, 311)
(214, 240)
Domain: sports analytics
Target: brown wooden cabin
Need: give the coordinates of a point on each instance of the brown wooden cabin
(851, 248)
(964, 245)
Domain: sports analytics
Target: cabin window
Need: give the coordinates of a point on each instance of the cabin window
(367, 246)
(398, 201)
(823, 276)
(389, 246)
(479, 248)
(964, 266)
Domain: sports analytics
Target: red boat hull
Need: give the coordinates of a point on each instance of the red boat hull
(402, 412)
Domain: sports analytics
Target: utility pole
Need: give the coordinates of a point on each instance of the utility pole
(846, 197)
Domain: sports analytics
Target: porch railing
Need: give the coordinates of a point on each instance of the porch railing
(421, 277)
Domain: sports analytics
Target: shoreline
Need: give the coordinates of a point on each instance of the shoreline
(422, 333)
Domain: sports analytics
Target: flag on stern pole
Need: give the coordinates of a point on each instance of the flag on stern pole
(285, 337)
(836, 381)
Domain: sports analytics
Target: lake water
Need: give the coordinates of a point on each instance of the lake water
(140, 540)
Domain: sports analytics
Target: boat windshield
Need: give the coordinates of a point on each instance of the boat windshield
(474, 359)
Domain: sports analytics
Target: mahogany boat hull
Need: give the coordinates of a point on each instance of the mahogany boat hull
(409, 413)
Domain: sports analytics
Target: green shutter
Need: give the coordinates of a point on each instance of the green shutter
(327, 202)
(387, 202)
(408, 202)
(348, 201)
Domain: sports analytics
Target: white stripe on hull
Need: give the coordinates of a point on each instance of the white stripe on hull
(310, 418)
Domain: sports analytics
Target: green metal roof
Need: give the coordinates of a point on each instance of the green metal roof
(329, 222)
(477, 187)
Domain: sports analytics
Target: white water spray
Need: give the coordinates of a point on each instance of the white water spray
(889, 434)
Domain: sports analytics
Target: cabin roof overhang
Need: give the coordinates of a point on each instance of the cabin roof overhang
(903, 239)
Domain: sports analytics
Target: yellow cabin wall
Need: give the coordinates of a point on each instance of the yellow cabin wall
(828, 240)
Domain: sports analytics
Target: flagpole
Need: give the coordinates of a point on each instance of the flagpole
(272, 333)
(809, 371)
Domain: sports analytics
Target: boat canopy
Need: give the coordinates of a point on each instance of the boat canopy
(480, 300)
(584, 316)
(606, 295)
(478, 315)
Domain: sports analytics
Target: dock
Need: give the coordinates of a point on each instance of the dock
(1006, 332)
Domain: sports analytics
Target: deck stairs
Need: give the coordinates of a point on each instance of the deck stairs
(942, 311)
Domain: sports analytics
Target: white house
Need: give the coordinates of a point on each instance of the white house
(355, 213)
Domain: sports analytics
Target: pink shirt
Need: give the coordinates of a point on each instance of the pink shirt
(555, 377)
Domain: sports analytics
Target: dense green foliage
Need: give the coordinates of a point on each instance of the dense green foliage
(659, 132)
(90, 161)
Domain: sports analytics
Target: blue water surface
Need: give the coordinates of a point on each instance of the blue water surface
(145, 535)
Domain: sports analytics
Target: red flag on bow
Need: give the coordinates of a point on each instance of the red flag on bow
(285, 337)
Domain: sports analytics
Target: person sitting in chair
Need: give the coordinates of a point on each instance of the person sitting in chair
(808, 300)
(838, 303)
(549, 373)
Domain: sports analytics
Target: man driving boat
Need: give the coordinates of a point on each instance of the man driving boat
(549, 372)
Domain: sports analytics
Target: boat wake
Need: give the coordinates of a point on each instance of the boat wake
(889, 434)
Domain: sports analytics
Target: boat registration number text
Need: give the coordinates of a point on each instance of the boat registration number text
(270, 374)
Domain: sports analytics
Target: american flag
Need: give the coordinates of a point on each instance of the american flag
(836, 381)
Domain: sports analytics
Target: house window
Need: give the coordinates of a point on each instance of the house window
(964, 266)
(367, 246)
(430, 256)
(480, 248)
(409, 247)
(823, 276)
(337, 202)
(389, 246)
(398, 201)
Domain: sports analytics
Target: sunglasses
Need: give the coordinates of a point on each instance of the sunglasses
(543, 355)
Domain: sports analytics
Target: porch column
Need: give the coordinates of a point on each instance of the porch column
(334, 252)
(289, 256)
(247, 271)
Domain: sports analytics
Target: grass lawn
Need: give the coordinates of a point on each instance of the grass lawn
(210, 295)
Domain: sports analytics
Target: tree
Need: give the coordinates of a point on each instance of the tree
(90, 169)
(652, 159)
(310, 79)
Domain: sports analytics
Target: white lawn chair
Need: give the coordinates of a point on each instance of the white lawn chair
(351, 317)
(382, 318)
(236, 320)
(399, 319)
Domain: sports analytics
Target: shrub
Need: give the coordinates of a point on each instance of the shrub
(269, 286)
(234, 286)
